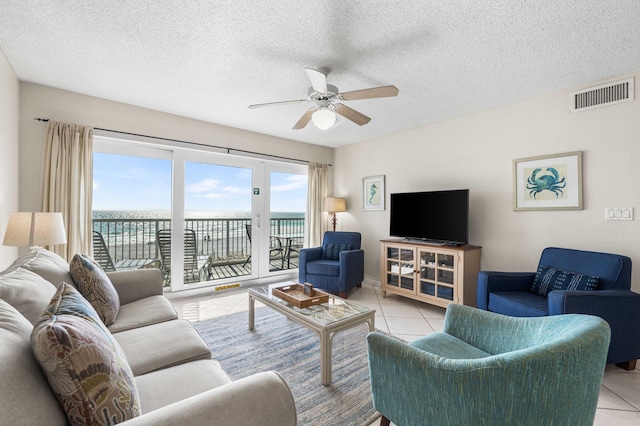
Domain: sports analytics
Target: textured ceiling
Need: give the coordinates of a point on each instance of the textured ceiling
(209, 60)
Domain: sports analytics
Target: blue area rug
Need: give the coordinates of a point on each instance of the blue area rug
(279, 344)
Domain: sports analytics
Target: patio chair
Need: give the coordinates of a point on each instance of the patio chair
(194, 264)
(292, 250)
(103, 258)
(276, 251)
(101, 253)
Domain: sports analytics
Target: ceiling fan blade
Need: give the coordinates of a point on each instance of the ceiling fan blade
(351, 114)
(304, 120)
(318, 80)
(296, 101)
(374, 92)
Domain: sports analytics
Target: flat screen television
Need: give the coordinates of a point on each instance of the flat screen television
(439, 217)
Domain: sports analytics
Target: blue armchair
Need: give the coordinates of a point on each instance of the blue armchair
(521, 294)
(491, 369)
(337, 266)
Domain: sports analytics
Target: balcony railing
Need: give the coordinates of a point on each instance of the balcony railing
(224, 240)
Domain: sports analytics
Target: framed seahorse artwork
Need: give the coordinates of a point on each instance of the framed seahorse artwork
(373, 192)
(550, 182)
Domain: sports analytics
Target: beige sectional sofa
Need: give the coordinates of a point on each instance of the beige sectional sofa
(176, 379)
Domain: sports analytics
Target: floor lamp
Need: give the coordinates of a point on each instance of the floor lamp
(334, 205)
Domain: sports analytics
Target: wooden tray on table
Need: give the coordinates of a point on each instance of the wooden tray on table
(295, 294)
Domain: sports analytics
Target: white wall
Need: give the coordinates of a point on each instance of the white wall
(476, 152)
(60, 105)
(9, 105)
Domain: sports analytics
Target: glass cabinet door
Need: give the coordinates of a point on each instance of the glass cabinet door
(400, 268)
(437, 274)
(427, 272)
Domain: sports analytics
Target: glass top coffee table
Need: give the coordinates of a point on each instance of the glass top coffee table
(325, 319)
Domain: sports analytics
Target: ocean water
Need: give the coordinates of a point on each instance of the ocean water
(166, 214)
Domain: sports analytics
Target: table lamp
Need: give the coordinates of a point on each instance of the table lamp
(34, 229)
(334, 205)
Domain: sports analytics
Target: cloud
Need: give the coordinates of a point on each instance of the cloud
(225, 192)
(292, 182)
(96, 185)
(235, 190)
(205, 185)
(208, 188)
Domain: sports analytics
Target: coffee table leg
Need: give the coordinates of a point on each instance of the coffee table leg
(252, 303)
(325, 357)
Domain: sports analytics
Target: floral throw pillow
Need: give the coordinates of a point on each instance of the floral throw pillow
(84, 365)
(94, 284)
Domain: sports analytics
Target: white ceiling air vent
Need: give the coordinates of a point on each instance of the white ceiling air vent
(600, 96)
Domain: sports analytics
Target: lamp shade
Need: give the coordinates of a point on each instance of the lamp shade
(323, 118)
(334, 204)
(34, 229)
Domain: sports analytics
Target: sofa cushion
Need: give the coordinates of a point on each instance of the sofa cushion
(162, 345)
(136, 284)
(518, 304)
(549, 279)
(45, 263)
(94, 284)
(332, 251)
(163, 387)
(448, 346)
(26, 291)
(324, 267)
(23, 388)
(139, 313)
(84, 365)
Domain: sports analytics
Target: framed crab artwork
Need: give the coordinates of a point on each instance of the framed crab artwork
(550, 182)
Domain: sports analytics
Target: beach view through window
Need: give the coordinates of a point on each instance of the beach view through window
(132, 203)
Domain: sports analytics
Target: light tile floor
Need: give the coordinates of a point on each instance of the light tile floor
(619, 401)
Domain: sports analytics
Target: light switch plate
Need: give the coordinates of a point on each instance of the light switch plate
(618, 213)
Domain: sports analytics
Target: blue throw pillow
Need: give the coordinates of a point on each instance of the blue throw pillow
(549, 279)
(332, 251)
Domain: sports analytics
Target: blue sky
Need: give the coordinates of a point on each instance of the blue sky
(136, 183)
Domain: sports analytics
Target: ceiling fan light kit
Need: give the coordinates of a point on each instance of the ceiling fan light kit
(323, 118)
(323, 115)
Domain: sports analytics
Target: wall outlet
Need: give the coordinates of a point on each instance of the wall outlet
(618, 213)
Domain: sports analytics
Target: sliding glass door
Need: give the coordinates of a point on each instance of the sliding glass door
(203, 219)
(132, 189)
(217, 212)
(287, 205)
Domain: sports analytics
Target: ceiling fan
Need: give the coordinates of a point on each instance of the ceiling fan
(327, 102)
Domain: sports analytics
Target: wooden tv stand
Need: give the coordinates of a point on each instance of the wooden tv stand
(438, 275)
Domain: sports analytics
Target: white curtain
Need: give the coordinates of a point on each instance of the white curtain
(317, 188)
(68, 184)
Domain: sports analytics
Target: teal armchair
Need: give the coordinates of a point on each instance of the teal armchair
(490, 369)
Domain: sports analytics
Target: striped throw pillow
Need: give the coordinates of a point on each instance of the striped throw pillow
(332, 251)
(549, 279)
